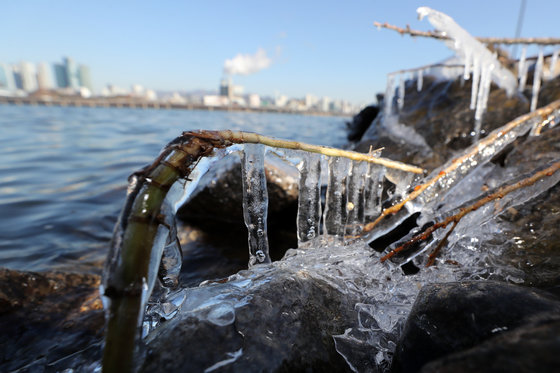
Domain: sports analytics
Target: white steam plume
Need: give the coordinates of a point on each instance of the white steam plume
(245, 64)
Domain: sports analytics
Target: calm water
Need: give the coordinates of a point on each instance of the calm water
(63, 172)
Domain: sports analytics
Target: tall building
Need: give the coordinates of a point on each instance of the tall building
(44, 79)
(71, 73)
(226, 88)
(28, 76)
(7, 78)
(60, 75)
(84, 78)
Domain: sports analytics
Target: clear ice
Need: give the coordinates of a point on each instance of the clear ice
(309, 200)
(255, 202)
(522, 69)
(334, 217)
(537, 80)
(485, 63)
(553, 63)
(419, 79)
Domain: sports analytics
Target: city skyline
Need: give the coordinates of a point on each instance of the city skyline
(324, 48)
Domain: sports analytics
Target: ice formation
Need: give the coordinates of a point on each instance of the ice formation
(553, 63)
(522, 69)
(537, 79)
(309, 202)
(354, 192)
(485, 65)
(255, 202)
(419, 79)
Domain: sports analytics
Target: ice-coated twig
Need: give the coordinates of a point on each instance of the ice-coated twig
(485, 40)
(454, 219)
(483, 148)
(239, 137)
(144, 226)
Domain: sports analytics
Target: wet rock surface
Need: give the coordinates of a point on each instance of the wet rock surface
(441, 114)
(530, 348)
(286, 326)
(46, 318)
(452, 317)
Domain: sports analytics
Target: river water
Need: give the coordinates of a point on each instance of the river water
(63, 172)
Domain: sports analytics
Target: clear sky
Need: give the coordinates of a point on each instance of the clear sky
(326, 48)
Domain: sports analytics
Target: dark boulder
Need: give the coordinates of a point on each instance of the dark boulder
(286, 325)
(49, 320)
(527, 349)
(361, 122)
(451, 317)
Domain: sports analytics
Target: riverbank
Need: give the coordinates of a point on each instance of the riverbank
(130, 102)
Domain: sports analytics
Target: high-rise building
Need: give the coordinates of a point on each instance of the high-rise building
(60, 75)
(44, 79)
(71, 73)
(7, 78)
(28, 76)
(226, 88)
(84, 78)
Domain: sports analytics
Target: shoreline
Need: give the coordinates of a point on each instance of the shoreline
(129, 103)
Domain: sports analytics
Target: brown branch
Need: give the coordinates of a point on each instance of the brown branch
(456, 163)
(485, 40)
(500, 193)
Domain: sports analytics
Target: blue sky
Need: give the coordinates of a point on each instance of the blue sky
(326, 48)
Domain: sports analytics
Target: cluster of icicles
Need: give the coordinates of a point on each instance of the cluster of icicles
(478, 62)
(354, 194)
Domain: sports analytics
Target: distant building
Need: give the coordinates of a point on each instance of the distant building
(7, 78)
(84, 77)
(60, 76)
(44, 79)
(72, 76)
(254, 100)
(226, 88)
(28, 76)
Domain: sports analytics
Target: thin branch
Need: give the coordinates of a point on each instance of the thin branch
(239, 137)
(500, 193)
(485, 40)
(482, 144)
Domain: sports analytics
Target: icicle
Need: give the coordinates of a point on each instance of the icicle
(537, 79)
(461, 41)
(373, 191)
(553, 63)
(468, 58)
(522, 69)
(482, 99)
(475, 82)
(402, 89)
(419, 79)
(334, 216)
(255, 202)
(355, 198)
(389, 94)
(309, 200)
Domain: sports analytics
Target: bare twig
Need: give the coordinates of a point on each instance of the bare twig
(485, 40)
(500, 193)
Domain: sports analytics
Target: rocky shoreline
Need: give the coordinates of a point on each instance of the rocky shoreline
(54, 321)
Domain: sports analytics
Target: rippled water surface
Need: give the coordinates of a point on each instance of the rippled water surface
(63, 172)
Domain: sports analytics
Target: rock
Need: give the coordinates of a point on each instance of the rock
(441, 115)
(285, 323)
(45, 318)
(361, 122)
(530, 348)
(452, 317)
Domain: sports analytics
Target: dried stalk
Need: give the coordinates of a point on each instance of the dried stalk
(485, 40)
(500, 193)
(482, 144)
(128, 269)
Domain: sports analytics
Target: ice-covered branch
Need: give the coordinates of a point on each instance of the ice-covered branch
(454, 219)
(485, 40)
(478, 153)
